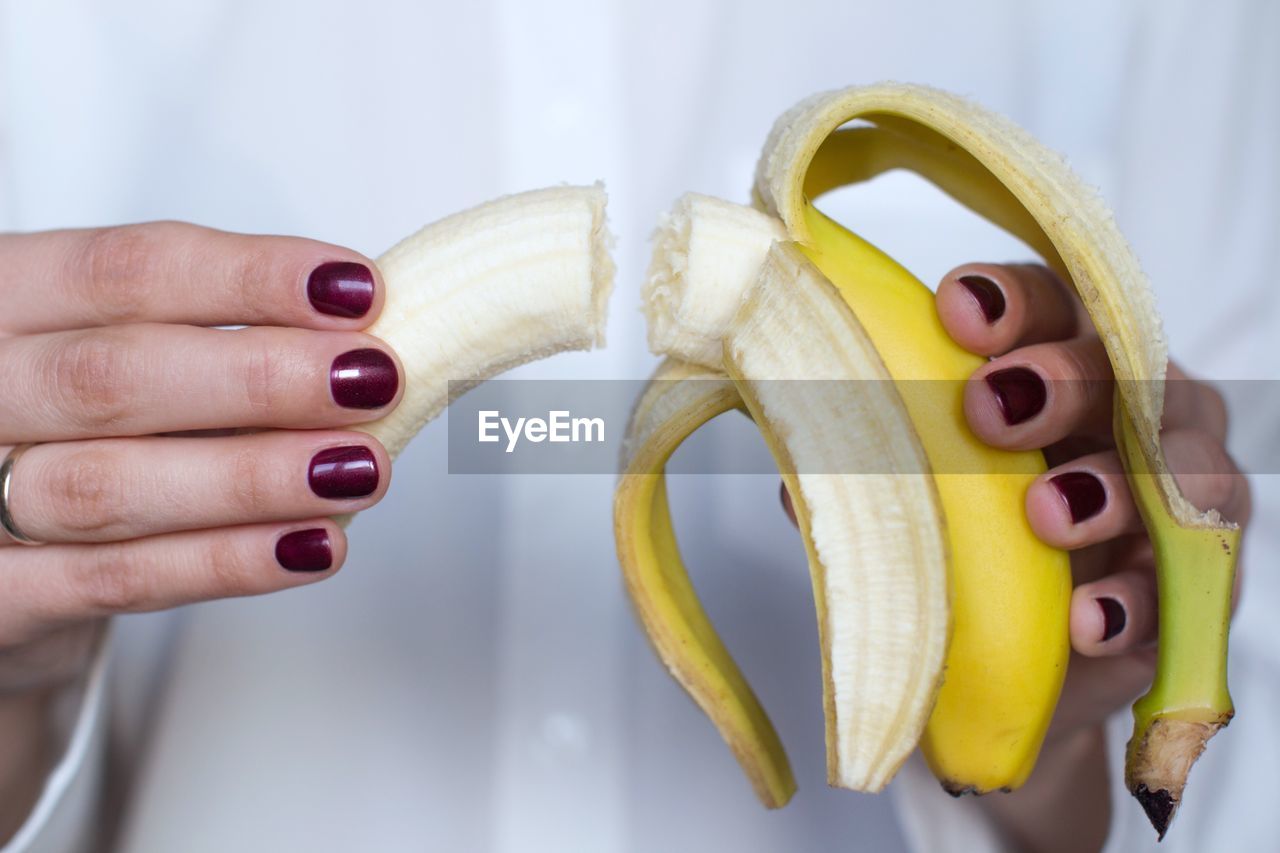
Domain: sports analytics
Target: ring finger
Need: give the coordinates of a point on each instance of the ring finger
(120, 489)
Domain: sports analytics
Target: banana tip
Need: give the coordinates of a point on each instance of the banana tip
(1159, 806)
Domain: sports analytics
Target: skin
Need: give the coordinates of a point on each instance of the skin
(1065, 804)
(106, 356)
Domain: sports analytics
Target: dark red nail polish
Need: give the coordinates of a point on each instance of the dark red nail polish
(987, 294)
(364, 379)
(1020, 393)
(341, 288)
(787, 506)
(344, 472)
(1082, 492)
(305, 550)
(1113, 617)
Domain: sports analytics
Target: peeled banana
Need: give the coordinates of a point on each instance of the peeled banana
(715, 264)
(513, 280)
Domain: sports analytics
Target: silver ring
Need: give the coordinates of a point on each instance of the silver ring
(7, 524)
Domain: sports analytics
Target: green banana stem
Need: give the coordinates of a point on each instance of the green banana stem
(1188, 702)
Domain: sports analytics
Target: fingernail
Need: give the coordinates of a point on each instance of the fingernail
(1113, 617)
(1020, 393)
(344, 472)
(341, 288)
(364, 379)
(987, 294)
(787, 506)
(1082, 493)
(305, 550)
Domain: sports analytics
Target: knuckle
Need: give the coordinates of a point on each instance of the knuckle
(266, 376)
(1214, 409)
(1202, 467)
(117, 267)
(86, 493)
(250, 277)
(115, 580)
(1084, 372)
(90, 377)
(263, 381)
(253, 488)
(1085, 360)
(227, 568)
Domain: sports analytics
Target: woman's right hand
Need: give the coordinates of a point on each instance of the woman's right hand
(172, 462)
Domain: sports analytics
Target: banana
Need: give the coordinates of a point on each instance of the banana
(1195, 551)
(678, 399)
(1009, 649)
(998, 695)
(876, 550)
(513, 280)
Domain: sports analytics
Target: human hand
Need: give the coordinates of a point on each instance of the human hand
(1049, 386)
(173, 463)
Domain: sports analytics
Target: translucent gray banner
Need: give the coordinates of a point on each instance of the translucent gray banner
(578, 426)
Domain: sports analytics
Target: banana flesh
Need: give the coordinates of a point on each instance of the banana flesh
(678, 399)
(866, 506)
(872, 529)
(1011, 592)
(508, 282)
(1009, 651)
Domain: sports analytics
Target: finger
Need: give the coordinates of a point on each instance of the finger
(1082, 503)
(1115, 614)
(1097, 686)
(118, 489)
(1206, 474)
(1189, 403)
(1088, 501)
(1041, 394)
(143, 379)
(174, 272)
(46, 588)
(990, 309)
(787, 506)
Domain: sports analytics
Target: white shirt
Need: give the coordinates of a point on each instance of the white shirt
(474, 679)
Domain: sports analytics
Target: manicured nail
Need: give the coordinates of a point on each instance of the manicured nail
(787, 506)
(364, 379)
(1113, 617)
(344, 472)
(1020, 393)
(987, 294)
(1082, 493)
(305, 550)
(341, 288)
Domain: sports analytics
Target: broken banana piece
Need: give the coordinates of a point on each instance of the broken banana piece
(480, 292)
